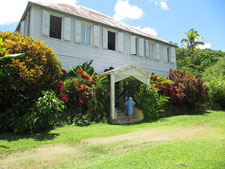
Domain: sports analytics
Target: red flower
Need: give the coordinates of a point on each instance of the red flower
(80, 71)
(80, 89)
(81, 100)
(64, 97)
(60, 86)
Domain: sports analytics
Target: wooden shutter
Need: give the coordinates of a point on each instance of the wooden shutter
(147, 54)
(157, 52)
(105, 38)
(96, 35)
(120, 41)
(141, 46)
(82, 34)
(27, 24)
(133, 45)
(77, 31)
(151, 51)
(67, 28)
(88, 35)
(45, 23)
(22, 27)
(173, 54)
(164, 51)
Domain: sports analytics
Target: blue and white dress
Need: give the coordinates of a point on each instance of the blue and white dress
(130, 104)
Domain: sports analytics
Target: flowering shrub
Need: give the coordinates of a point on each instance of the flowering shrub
(81, 96)
(166, 88)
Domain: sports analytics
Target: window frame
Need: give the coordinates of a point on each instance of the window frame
(61, 33)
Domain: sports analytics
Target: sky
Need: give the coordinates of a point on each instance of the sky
(166, 19)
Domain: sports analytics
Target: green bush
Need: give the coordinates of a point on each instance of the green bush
(193, 89)
(23, 77)
(214, 77)
(149, 101)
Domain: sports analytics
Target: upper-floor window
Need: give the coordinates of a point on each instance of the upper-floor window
(85, 35)
(55, 27)
(111, 40)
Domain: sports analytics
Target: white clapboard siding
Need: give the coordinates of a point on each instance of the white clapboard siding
(147, 51)
(67, 28)
(22, 27)
(120, 41)
(45, 23)
(77, 31)
(96, 35)
(173, 54)
(141, 46)
(157, 51)
(105, 38)
(133, 45)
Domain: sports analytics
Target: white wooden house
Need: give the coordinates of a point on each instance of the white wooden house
(78, 34)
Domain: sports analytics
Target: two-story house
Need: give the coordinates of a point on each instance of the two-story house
(78, 34)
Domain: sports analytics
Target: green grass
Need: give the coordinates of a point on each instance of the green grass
(186, 141)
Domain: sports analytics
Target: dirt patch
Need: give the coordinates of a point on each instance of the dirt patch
(37, 157)
(150, 135)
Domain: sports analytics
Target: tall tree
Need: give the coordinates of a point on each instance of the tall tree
(191, 42)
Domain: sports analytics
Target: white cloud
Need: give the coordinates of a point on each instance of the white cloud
(148, 30)
(12, 10)
(206, 45)
(124, 10)
(164, 5)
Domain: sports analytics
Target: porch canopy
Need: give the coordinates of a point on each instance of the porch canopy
(121, 73)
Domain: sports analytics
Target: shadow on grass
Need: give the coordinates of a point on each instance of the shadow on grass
(42, 136)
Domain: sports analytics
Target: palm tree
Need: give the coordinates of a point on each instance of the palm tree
(191, 42)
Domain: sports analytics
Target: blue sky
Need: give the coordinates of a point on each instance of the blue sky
(167, 19)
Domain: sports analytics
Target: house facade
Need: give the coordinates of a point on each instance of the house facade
(78, 34)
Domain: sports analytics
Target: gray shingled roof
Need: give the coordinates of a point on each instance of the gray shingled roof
(93, 15)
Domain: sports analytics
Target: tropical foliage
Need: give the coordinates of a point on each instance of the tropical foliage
(85, 97)
(193, 89)
(215, 80)
(191, 42)
(23, 77)
(197, 62)
(150, 102)
(166, 88)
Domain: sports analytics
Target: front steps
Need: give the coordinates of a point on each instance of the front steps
(122, 118)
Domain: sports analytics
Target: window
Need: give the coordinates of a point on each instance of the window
(151, 50)
(168, 54)
(86, 35)
(55, 27)
(111, 40)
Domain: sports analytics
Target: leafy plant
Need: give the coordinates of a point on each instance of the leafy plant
(49, 108)
(149, 101)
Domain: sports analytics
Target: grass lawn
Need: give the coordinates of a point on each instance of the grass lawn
(186, 141)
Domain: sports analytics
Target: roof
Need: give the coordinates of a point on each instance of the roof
(122, 68)
(89, 14)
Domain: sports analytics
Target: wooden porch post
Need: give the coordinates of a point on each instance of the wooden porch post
(112, 95)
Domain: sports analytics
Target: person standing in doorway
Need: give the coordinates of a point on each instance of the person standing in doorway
(130, 108)
(125, 106)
